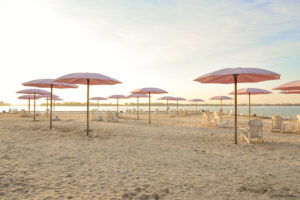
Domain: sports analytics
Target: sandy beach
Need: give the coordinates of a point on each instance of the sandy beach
(173, 158)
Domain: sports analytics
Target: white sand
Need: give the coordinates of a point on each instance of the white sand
(171, 159)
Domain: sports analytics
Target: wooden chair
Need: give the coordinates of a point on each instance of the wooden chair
(254, 132)
(298, 123)
(172, 114)
(206, 119)
(219, 121)
(277, 124)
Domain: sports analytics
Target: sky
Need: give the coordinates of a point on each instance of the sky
(148, 43)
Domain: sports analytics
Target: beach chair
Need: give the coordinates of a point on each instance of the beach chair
(219, 121)
(24, 113)
(277, 124)
(298, 123)
(96, 115)
(56, 118)
(254, 132)
(129, 111)
(156, 111)
(133, 111)
(107, 116)
(206, 119)
(172, 114)
(115, 117)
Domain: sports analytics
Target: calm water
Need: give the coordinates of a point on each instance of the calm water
(285, 111)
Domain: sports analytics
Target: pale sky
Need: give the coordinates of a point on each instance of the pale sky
(148, 43)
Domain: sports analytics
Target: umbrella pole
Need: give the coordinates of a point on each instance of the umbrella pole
(235, 107)
(149, 108)
(196, 107)
(177, 107)
(137, 107)
(88, 107)
(47, 107)
(34, 107)
(221, 104)
(29, 106)
(51, 97)
(249, 107)
(167, 105)
(98, 105)
(117, 105)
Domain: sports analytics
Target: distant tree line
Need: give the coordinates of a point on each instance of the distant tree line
(4, 104)
(156, 104)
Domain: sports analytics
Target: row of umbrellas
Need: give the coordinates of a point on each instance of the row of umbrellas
(224, 76)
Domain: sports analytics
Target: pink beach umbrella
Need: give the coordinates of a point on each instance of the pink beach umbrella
(168, 98)
(197, 100)
(48, 97)
(249, 92)
(98, 98)
(34, 92)
(178, 99)
(149, 91)
(137, 103)
(290, 92)
(28, 97)
(221, 98)
(117, 96)
(237, 75)
(87, 79)
(49, 83)
(294, 85)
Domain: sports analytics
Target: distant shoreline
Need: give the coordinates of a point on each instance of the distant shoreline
(154, 104)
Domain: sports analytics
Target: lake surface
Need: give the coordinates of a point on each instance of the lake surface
(285, 111)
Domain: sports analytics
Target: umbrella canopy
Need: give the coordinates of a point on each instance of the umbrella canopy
(117, 96)
(28, 97)
(46, 83)
(149, 91)
(196, 100)
(221, 98)
(245, 75)
(249, 92)
(49, 83)
(81, 78)
(237, 75)
(137, 95)
(290, 92)
(87, 79)
(34, 92)
(294, 85)
(98, 98)
(137, 103)
(252, 91)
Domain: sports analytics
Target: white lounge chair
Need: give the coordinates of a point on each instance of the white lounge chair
(172, 114)
(24, 113)
(207, 119)
(254, 132)
(96, 115)
(115, 117)
(219, 121)
(277, 124)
